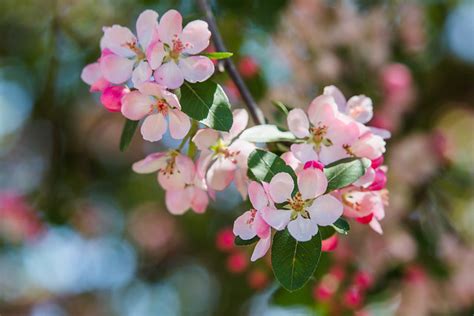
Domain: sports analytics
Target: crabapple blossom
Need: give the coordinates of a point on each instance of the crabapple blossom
(305, 210)
(177, 49)
(223, 156)
(251, 223)
(191, 197)
(154, 103)
(131, 56)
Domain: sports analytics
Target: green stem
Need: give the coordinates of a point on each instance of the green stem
(189, 135)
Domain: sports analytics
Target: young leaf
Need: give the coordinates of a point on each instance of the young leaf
(207, 103)
(345, 171)
(218, 55)
(294, 262)
(127, 133)
(266, 134)
(242, 242)
(281, 106)
(341, 226)
(263, 165)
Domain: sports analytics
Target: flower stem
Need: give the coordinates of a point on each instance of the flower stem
(189, 135)
(255, 112)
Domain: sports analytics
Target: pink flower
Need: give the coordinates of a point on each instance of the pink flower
(111, 97)
(131, 56)
(251, 223)
(358, 107)
(177, 49)
(190, 197)
(223, 157)
(304, 211)
(154, 103)
(175, 170)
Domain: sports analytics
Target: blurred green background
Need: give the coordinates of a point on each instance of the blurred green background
(81, 234)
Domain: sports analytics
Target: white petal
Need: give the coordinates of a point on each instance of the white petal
(281, 187)
(242, 228)
(147, 27)
(179, 124)
(325, 210)
(116, 39)
(334, 92)
(169, 75)
(261, 248)
(141, 73)
(277, 219)
(304, 152)
(151, 163)
(170, 26)
(195, 37)
(257, 195)
(311, 183)
(153, 127)
(298, 123)
(116, 69)
(302, 229)
(196, 68)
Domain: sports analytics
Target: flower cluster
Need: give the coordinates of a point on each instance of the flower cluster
(331, 165)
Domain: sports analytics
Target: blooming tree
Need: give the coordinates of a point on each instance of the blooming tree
(327, 165)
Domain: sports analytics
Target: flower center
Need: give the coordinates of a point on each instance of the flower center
(170, 164)
(348, 150)
(349, 200)
(221, 149)
(134, 47)
(298, 206)
(318, 137)
(160, 106)
(253, 212)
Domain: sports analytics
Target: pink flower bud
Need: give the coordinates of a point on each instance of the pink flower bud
(111, 98)
(237, 262)
(313, 164)
(377, 162)
(329, 244)
(225, 239)
(379, 182)
(363, 280)
(353, 297)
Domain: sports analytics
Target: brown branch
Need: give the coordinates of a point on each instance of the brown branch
(255, 112)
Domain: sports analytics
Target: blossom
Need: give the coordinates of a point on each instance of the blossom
(192, 196)
(177, 49)
(223, 156)
(174, 170)
(154, 103)
(305, 210)
(251, 223)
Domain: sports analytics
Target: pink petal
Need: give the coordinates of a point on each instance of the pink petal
(155, 54)
(153, 127)
(182, 174)
(178, 201)
(91, 73)
(147, 27)
(136, 105)
(205, 138)
(339, 98)
(100, 85)
(360, 108)
(116, 39)
(240, 121)
(116, 69)
(200, 201)
(220, 174)
(112, 96)
(375, 225)
(277, 219)
(302, 229)
(304, 152)
(152, 89)
(196, 68)
(170, 26)
(151, 163)
(311, 183)
(179, 124)
(298, 123)
(261, 248)
(329, 244)
(244, 148)
(325, 210)
(171, 99)
(291, 160)
(261, 227)
(369, 146)
(243, 226)
(281, 187)
(141, 73)
(240, 180)
(169, 75)
(257, 195)
(385, 134)
(322, 110)
(366, 179)
(195, 37)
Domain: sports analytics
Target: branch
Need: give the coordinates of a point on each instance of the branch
(255, 112)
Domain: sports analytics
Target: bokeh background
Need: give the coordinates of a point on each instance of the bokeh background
(81, 234)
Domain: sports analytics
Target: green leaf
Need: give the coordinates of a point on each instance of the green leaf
(266, 134)
(127, 133)
(345, 171)
(263, 165)
(207, 103)
(242, 242)
(341, 226)
(326, 231)
(281, 106)
(218, 55)
(294, 262)
(177, 92)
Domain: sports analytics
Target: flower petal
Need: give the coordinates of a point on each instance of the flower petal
(91, 73)
(339, 98)
(311, 183)
(277, 219)
(359, 107)
(304, 152)
(205, 138)
(325, 210)
(261, 248)
(136, 105)
(171, 99)
(200, 201)
(155, 54)
(196, 68)
(240, 121)
(257, 195)
(116, 69)
(220, 174)
(281, 187)
(153, 127)
(179, 124)
(322, 111)
(141, 73)
(147, 27)
(111, 98)
(182, 174)
(240, 181)
(170, 27)
(150, 163)
(178, 201)
(195, 37)
(169, 75)
(298, 123)
(243, 226)
(302, 229)
(116, 39)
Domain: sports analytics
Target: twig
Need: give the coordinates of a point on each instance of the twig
(255, 112)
